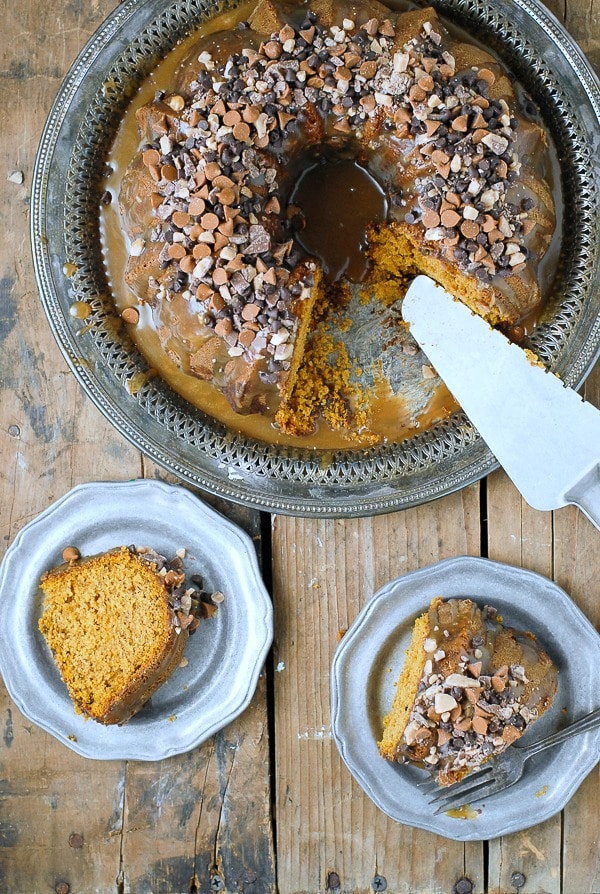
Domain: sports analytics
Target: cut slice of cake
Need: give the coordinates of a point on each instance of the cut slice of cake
(469, 688)
(117, 624)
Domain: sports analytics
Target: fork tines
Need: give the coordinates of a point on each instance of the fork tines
(482, 785)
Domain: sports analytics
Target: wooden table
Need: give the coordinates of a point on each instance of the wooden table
(266, 804)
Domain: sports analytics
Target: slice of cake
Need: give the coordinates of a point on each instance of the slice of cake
(469, 688)
(117, 624)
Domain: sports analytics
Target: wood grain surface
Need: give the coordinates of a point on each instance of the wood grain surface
(265, 805)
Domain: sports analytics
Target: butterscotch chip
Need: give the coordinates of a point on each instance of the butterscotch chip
(217, 302)
(439, 157)
(187, 264)
(220, 241)
(209, 221)
(510, 734)
(70, 553)
(226, 228)
(460, 123)
(342, 125)
(250, 311)
(431, 219)
(486, 75)
(220, 276)
(431, 126)
(168, 172)
(480, 725)
(479, 134)
(231, 117)
(251, 114)
(181, 219)
(176, 251)
(227, 196)
(469, 229)
(221, 182)
(224, 327)
(450, 218)
(151, 157)
(196, 206)
(343, 74)
(130, 315)
(212, 170)
(201, 250)
(416, 93)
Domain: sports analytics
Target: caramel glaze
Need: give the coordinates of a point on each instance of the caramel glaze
(169, 335)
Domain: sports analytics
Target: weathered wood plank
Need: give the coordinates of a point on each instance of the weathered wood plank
(324, 572)
(203, 818)
(521, 536)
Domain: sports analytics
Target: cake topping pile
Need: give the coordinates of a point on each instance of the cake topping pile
(467, 716)
(218, 161)
(189, 604)
(469, 139)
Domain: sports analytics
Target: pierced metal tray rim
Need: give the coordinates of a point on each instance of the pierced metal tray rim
(273, 489)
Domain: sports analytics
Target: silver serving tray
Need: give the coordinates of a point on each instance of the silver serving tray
(225, 655)
(65, 226)
(368, 661)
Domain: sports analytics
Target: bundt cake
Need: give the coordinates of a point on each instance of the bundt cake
(117, 625)
(469, 688)
(219, 257)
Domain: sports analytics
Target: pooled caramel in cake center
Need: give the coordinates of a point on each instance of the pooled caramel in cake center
(338, 199)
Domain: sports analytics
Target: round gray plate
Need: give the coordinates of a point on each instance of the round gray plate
(65, 203)
(368, 661)
(225, 654)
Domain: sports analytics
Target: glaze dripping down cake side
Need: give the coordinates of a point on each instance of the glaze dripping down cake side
(213, 235)
(469, 688)
(117, 625)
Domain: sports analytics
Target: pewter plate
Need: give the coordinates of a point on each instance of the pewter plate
(368, 662)
(225, 655)
(65, 227)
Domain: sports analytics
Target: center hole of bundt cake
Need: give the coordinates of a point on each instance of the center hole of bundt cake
(338, 199)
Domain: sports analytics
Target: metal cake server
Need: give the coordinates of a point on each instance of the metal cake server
(543, 434)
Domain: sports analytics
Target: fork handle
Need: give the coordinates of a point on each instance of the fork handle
(583, 725)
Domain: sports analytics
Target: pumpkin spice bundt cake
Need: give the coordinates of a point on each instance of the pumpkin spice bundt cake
(117, 625)
(212, 204)
(469, 688)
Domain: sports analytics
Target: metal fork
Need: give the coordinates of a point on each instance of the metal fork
(504, 770)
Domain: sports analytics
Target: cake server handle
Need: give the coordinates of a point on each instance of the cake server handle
(586, 495)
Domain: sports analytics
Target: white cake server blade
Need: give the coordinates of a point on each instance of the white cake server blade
(542, 433)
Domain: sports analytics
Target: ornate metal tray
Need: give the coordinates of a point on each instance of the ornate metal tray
(65, 225)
